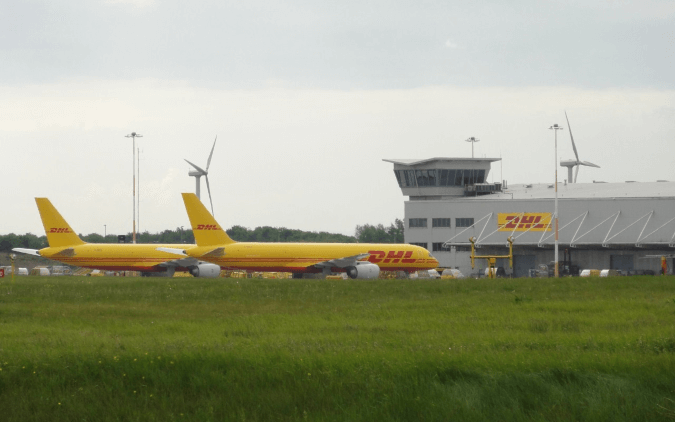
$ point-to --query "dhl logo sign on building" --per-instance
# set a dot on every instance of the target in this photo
(520, 222)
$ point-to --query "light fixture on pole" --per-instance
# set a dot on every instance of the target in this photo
(133, 136)
(473, 141)
(555, 128)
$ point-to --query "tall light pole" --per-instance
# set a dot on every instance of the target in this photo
(555, 128)
(138, 166)
(105, 232)
(133, 136)
(473, 141)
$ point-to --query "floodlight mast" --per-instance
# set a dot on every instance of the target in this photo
(555, 129)
(133, 136)
(473, 141)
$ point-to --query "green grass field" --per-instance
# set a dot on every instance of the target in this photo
(95, 349)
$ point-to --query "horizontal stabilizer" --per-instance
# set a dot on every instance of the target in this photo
(27, 251)
(174, 251)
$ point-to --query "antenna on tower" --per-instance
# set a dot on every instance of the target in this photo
(473, 141)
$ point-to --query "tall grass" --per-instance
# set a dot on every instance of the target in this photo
(233, 349)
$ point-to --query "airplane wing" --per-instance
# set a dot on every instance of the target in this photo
(174, 251)
(348, 261)
(182, 263)
(27, 251)
(210, 254)
(187, 261)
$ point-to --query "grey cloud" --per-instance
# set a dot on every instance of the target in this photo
(343, 45)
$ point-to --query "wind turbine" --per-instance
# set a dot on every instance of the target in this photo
(199, 172)
(574, 163)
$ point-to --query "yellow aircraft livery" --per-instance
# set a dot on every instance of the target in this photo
(358, 260)
(67, 247)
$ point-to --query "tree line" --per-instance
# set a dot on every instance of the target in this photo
(366, 233)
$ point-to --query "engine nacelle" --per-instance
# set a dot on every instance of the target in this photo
(363, 271)
(205, 270)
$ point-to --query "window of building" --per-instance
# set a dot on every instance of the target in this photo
(438, 247)
(405, 178)
(458, 177)
(440, 222)
(438, 177)
(446, 177)
(462, 248)
(397, 173)
(426, 177)
(469, 177)
(424, 244)
(417, 222)
(479, 176)
(463, 222)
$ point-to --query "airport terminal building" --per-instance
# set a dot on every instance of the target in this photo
(622, 226)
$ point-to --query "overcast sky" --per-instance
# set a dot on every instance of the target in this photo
(307, 98)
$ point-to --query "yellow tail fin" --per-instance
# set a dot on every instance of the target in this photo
(206, 229)
(57, 230)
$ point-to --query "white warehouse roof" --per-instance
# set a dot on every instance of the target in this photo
(584, 191)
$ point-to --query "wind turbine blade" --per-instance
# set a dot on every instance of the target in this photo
(209, 189)
(576, 173)
(195, 166)
(208, 163)
(586, 163)
(574, 147)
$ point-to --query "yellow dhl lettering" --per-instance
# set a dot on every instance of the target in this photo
(524, 222)
(59, 230)
(393, 257)
(207, 227)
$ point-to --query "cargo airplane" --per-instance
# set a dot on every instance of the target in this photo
(358, 260)
(67, 247)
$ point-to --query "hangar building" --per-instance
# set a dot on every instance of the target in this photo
(601, 225)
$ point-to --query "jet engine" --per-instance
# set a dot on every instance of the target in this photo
(363, 270)
(205, 270)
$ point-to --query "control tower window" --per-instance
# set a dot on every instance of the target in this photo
(468, 177)
(417, 223)
(440, 222)
(458, 178)
(426, 177)
(439, 177)
(446, 177)
(405, 178)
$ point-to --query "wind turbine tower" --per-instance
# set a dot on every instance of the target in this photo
(198, 172)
